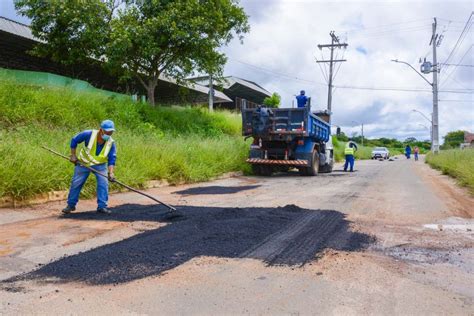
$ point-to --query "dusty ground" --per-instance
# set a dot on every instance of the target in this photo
(394, 237)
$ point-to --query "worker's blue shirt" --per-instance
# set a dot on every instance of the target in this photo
(301, 100)
(85, 136)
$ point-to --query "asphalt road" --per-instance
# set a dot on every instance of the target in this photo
(394, 237)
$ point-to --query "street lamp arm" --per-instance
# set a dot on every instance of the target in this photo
(399, 61)
(426, 117)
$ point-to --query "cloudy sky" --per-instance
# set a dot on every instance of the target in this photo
(281, 49)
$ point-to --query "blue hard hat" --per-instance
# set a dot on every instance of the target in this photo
(107, 126)
(302, 92)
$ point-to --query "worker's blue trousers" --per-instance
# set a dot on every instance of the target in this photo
(80, 176)
(349, 161)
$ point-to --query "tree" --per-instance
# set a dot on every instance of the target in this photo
(138, 39)
(342, 137)
(453, 139)
(410, 140)
(273, 101)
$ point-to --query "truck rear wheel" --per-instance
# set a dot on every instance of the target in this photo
(262, 170)
(314, 169)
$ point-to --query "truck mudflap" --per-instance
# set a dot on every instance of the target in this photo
(260, 161)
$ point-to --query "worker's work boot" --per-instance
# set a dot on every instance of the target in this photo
(104, 210)
(68, 209)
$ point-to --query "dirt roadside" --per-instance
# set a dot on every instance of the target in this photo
(391, 238)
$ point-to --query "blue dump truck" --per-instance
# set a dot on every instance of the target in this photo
(285, 138)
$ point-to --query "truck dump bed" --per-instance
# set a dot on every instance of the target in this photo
(287, 122)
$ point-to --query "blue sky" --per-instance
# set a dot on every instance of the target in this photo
(280, 50)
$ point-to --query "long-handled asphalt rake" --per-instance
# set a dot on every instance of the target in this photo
(171, 208)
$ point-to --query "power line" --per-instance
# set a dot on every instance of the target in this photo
(468, 101)
(461, 91)
(383, 26)
(458, 65)
(392, 32)
(452, 21)
(277, 73)
(454, 69)
(466, 26)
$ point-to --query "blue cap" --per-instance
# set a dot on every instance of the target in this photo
(107, 126)
(302, 92)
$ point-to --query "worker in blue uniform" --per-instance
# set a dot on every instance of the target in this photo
(301, 99)
(98, 153)
(349, 153)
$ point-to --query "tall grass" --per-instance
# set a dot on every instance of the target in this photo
(456, 163)
(65, 108)
(178, 144)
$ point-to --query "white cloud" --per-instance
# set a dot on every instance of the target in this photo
(284, 37)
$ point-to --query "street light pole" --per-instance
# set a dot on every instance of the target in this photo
(431, 126)
(429, 129)
(434, 86)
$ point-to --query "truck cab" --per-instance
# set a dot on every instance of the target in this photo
(285, 138)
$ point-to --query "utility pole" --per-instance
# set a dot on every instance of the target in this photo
(435, 127)
(334, 44)
(211, 95)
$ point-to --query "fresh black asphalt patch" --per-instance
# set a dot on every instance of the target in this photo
(216, 190)
(278, 236)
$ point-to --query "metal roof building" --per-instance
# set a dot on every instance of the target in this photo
(16, 39)
(237, 89)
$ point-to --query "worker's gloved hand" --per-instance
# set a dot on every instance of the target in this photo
(73, 159)
(111, 177)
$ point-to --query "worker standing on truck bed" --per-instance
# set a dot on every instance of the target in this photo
(349, 152)
(99, 151)
(301, 99)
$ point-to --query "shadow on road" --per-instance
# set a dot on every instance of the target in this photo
(278, 236)
(216, 190)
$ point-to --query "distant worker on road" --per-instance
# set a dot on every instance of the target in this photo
(416, 151)
(349, 152)
(301, 99)
(408, 151)
(98, 152)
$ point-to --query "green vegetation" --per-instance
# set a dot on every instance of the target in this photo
(456, 163)
(178, 144)
(273, 101)
(452, 140)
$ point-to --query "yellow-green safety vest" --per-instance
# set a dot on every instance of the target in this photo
(348, 150)
(88, 154)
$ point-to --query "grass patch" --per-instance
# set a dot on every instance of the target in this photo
(456, 163)
(177, 144)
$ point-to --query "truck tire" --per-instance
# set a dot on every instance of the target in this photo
(314, 169)
(327, 168)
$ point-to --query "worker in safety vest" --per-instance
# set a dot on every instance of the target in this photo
(98, 153)
(301, 99)
(349, 152)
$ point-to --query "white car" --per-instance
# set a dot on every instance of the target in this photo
(380, 153)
